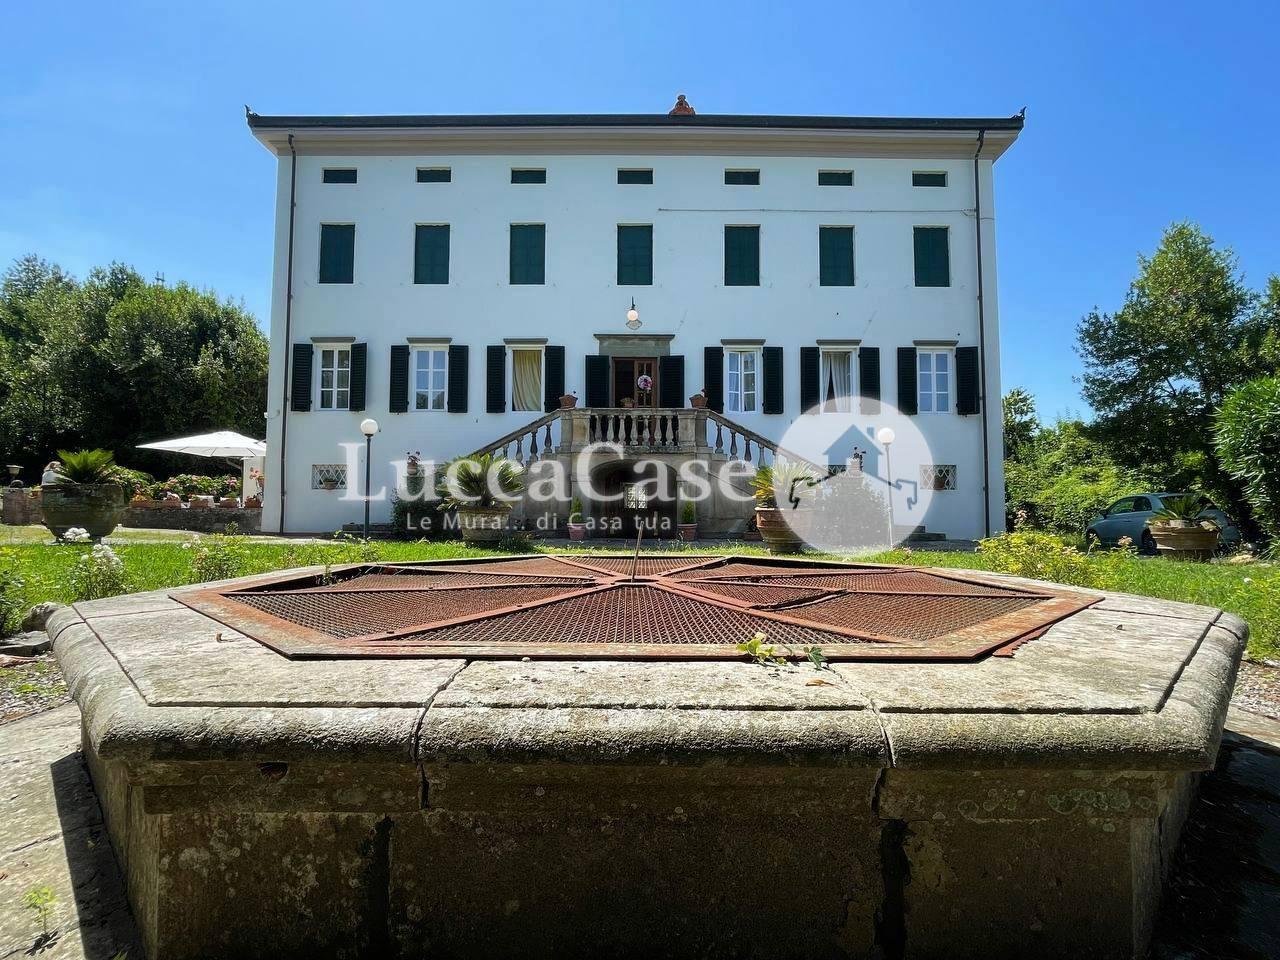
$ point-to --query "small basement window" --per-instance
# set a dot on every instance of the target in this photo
(435, 174)
(328, 476)
(528, 176)
(744, 178)
(938, 476)
(928, 178)
(339, 175)
(835, 178)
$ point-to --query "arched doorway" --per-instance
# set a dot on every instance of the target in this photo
(637, 495)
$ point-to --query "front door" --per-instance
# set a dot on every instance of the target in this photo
(627, 377)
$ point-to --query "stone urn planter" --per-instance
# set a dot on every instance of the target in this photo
(94, 507)
(568, 401)
(775, 532)
(1185, 539)
(483, 524)
(698, 401)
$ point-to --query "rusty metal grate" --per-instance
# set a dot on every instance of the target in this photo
(676, 607)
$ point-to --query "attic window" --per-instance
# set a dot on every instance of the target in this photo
(835, 178)
(635, 176)
(743, 178)
(434, 174)
(339, 175)
(928, 178)
(528, 176)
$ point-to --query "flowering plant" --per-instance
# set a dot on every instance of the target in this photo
(644, 382)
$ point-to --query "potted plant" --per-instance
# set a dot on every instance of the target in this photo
(228, 503)
(480, 488)
(568, 401)
(688, 527)
(329, 483)
(577, 529)
(628, 403)
(699, 399)
(87, 494)
(1181, 532)
(794, 482)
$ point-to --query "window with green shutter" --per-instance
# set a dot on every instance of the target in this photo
(742, 256)
(337, 252)
(635, 176)
(835, 178)
(528, 175)
(933, 257)
(928, 178)
(528, 253)
(431, 253)
(435, 174)
(635, 255)
(835, 256)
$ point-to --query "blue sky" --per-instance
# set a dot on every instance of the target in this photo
(122, 132)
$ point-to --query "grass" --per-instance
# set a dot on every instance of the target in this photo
(1252, 592)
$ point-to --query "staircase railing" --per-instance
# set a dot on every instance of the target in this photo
(655, 428)
(765, 449)
(522, 444)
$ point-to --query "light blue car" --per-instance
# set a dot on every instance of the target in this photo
(1128, 517)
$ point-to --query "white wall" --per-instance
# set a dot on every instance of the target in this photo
(581, 205)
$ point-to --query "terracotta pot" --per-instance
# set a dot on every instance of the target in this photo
(1185, 540)
(697, 401)
(201, 502)
(577, 531)
(483, 524)
(688, 532)
(775, 532)
(253, 503)
(167, 504)
(94, 507)
(228, 503)
(568, 401)
(628, 404)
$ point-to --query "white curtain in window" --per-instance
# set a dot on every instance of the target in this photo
(837, 381)
(526, 380)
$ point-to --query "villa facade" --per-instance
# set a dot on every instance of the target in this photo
(453, 277)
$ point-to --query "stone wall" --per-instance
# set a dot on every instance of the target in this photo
(21, 506)
(203, 520)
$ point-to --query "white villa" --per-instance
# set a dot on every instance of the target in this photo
(452, 277)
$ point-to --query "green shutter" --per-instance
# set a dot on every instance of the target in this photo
(869, 379)
(933, 258)
(597, 380)
(671, 381)
(431, 253)
(553, 379)
(528, 253)
(742, 256)
(713, 377)
(835, 256)
(457, 391)
(359, 366)
(398, 396)
(300, 377)
(810, 372)
(908, 401)
(635, 255)
(495, 389)
(968, 381)
(337, 252)
(771, 367)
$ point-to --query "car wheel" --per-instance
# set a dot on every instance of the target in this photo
(1147, 546)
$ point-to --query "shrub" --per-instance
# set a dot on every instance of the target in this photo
(98, 573)
(688, 513)
(790, 479)
(483, 481)
(218, 557)
(135, 482)
(87, 466)
(1042, 556)
(12, 586)
(1248, 443)
(187, 485)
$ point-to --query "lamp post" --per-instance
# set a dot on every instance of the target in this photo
(633, 316)
(886, 436)
(368, 427)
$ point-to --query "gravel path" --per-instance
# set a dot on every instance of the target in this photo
(1258, 689)
(30, 686)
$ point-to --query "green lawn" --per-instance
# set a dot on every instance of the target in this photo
(1252, 592)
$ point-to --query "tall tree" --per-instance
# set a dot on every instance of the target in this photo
(1020, 422)
(1157, 369)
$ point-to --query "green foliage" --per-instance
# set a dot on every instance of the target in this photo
(1248, 443)
(87, 466)
(575, 511)
(688, 512)
(1157, 369)
(12, 587)
(114, 360)
(759, 650)
(1021, 425)
(791, 479)
(486, 480)
(187, 485)
(1187, 507)
(98, 573)
(816, 657)
(40, 901)
(135, 482)
(218, 557)
(1042, 556)
(1064, 477)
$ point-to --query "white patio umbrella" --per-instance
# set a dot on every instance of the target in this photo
(222, 443)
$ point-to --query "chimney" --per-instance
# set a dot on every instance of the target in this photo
(682, 108)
